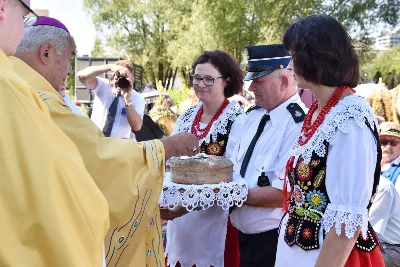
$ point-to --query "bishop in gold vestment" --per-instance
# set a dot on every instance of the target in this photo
(129, 174)
(51, 211)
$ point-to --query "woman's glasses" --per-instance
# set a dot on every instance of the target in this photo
(208, 81)
(385, 142)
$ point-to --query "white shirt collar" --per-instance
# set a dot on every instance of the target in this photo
(280, 111)
(396, 161)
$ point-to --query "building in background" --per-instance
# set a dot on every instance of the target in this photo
(42, 12)
(388, 40)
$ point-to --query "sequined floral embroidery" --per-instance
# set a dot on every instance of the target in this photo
(290, 229)
(214, 149)
(303, 171)
(317, 199)
(315, 163)
(319, 178)
(307, 233)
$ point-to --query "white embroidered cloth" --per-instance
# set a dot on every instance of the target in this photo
(224, 195)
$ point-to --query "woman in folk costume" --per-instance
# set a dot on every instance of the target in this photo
(206, 238)
(334, 169)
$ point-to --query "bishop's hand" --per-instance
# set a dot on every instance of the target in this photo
(181, 144)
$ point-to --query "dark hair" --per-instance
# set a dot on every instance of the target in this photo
(228, 68)
(322, 51)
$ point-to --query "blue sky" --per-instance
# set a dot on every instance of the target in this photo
(71, 13)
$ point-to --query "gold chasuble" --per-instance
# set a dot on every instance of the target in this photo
(47, 212)
(129, 174)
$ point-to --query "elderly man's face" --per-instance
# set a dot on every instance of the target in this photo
(268, 90)
(61, 66)
(390, 147)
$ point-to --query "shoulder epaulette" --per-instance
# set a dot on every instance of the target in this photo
(252, 108)
(297, 112)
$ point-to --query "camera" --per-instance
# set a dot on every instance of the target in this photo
(122, 81)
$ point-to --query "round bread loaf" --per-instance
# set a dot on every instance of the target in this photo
(207, 170)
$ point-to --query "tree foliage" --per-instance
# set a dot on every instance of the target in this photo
(98, 48)
(163, 36)
(383, 65)
(389, 62)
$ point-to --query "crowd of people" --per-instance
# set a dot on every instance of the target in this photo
(323, 187)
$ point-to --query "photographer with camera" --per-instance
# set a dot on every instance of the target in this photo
(117, 108)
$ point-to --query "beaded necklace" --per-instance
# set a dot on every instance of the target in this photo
(201, 133)
(309, 128)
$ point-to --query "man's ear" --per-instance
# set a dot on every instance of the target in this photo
(285, 81)
(44, 52)
(3, 4)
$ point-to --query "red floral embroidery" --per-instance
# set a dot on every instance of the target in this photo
(304, 171)
(214, 149)
(307, 233)
(290, 229)
(361, 236)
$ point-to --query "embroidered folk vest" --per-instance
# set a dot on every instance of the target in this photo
(310, 199)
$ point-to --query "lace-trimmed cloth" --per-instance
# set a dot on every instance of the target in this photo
(224, 195)
(350, 165)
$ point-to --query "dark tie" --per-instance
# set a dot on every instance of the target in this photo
(112, 111)
(253, 143)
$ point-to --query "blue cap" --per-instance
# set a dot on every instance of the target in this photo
(264, 59)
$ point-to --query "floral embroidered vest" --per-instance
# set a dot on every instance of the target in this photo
(216, 147)
(216, 140)
(310, 199)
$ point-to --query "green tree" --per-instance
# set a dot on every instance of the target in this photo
(388, 62)
(383, 65)
(98, 48)
(141, 30)
(165, 35)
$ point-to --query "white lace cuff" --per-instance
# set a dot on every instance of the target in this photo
(351, 216)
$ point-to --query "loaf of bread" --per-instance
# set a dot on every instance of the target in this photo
(201, 170)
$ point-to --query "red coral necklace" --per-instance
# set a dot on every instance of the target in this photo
(201, 133)
(309, 128)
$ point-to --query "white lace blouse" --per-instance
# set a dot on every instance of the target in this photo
(351, 162)
(199, 237)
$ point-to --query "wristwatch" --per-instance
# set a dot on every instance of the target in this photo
(128, 104)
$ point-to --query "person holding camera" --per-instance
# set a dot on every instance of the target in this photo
(117, 109)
